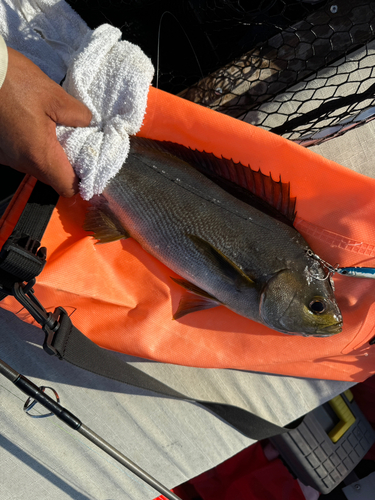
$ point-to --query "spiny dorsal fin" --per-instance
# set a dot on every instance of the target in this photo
(251, 186)
(105, 229)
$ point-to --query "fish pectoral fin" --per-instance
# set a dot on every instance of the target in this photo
(195, 299)
(105, 228)
(194, 288)
(224, 266)
(190, 302)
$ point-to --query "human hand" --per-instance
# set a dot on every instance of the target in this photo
(31, 104)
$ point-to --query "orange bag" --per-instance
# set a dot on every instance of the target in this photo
(123, 299)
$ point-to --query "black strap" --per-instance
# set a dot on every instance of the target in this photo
(37, 212)
(74, 347)
(65, 341)
(21, 258)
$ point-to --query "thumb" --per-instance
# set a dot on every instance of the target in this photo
(58, 172)
(69, 111)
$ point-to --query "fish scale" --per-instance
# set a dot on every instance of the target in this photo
(221, 245)
(173, 211)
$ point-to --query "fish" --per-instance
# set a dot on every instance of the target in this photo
(225, 230)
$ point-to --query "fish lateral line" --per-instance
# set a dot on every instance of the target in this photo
(191, 189)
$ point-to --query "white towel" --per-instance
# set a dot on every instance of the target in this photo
(110, 76)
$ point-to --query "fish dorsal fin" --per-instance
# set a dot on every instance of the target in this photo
(195, 299)
(223, 265)
(251, 186)
(105, 228)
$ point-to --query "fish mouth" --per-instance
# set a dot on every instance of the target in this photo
(328, 331)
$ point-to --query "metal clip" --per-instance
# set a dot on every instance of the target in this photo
(331, 270)
(22, 257)
(356, 272)
(48, 321)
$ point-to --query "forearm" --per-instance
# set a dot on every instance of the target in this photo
(3, 60)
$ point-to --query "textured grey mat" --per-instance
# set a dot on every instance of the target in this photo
(172, 440)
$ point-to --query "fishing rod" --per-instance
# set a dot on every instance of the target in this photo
(37, 394)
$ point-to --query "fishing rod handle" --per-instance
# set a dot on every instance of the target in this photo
(33, 391)
(8, 372)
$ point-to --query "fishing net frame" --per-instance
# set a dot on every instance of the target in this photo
(303, 69)
(311, 81)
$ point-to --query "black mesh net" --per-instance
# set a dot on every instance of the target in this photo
(300, 68)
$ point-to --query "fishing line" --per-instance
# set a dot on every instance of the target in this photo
(31, 390)
(158, 46)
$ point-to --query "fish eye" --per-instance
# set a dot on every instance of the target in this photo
(317, 306)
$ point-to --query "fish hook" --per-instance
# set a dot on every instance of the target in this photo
(356, 272)
(331, 270)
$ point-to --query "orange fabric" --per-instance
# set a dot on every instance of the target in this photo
(123, 299)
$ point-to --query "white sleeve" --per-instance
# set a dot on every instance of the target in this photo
(3, 60)
(110, 75)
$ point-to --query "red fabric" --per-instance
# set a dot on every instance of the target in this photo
(247, 476)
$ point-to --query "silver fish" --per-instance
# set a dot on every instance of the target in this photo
(229, 248)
